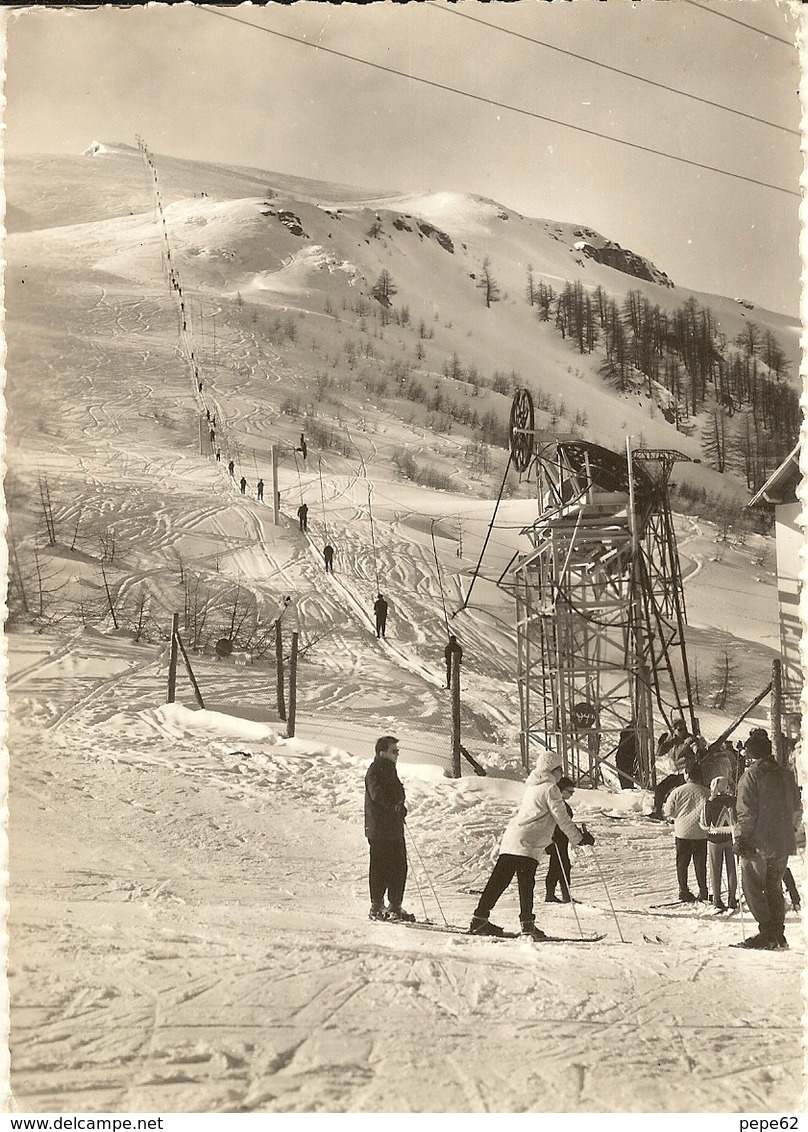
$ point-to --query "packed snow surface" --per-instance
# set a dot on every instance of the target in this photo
(188, 900)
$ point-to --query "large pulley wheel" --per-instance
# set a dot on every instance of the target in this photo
(521, 426)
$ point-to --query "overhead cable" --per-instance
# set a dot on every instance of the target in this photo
(453, 11)
(732, 19)
(503, 105)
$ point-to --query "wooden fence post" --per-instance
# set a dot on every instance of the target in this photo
(279, 668)
(172, 663)
(455, 682)
(194, 684)
(290, 726)
(109, 598)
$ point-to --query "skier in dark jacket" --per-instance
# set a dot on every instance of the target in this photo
(259, 487)
(764, 839)
(385, 811)
(558, 871)
(380, 610)
(626, 758)
(328, 555)
(454, 655)
(303, 516)
(243, 485)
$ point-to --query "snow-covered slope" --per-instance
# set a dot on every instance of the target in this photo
(188, 898)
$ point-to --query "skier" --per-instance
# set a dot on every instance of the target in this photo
(678, 747)
(260, 489)
(558, 871)
(303, 447)
(626, 757)
(523, 844)
(243, 485)
(212, 437)
(718, 820)
(218, 454)
(303, 516)
(685, 805)
(328, 555)
(385, 813)
(380, 609)
(454, 655)
(764, 839)
(231, 467)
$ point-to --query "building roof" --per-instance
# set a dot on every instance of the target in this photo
(781, 486)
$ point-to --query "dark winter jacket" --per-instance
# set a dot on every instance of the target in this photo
(626, 755)
(767, 799)
(384, 802)
(559, 836)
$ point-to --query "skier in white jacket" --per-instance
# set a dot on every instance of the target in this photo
(526, 837)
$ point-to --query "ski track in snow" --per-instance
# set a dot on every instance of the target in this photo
(211, 962)
(188, 902)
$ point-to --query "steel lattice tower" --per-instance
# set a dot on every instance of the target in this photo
(599, 603)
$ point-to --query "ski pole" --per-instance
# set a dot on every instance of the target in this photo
(739, 883)
(426, 874)
(566, 876)
(608, 894)
(420, 893)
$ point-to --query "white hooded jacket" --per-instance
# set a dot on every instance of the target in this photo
(542, 808)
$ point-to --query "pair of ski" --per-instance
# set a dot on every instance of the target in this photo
(453, 929)
(696, 905)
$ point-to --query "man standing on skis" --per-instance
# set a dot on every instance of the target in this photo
(380, 608)
(385, 812)
(453, 654)
(526, 837)
(764, 839)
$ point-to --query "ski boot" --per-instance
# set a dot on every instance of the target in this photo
(530, 931)
(481, 925)
(400, 916)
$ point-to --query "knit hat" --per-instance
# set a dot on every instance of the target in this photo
(547, 762)
(719, 785)
(679, 725)
(758, 745)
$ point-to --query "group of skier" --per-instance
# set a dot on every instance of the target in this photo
(746, 823)
(755, 824)
(542, 817)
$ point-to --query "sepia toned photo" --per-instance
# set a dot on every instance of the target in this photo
(402, 471)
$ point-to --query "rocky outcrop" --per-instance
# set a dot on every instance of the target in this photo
(621, 259)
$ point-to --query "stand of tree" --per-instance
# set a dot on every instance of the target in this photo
(685, 362)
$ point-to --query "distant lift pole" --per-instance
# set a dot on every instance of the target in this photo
(599, 604)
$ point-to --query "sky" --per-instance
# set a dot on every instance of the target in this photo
(196, 84)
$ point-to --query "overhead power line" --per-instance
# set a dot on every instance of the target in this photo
(732, 19)
(608, 67)
(501, 105)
